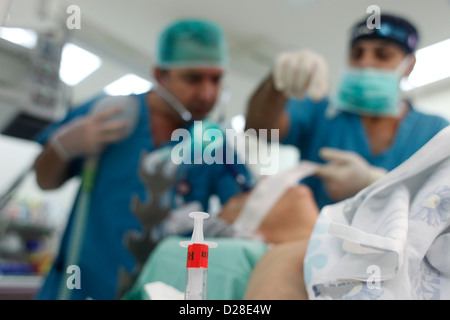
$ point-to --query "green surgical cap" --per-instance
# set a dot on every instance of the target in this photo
(192, 43)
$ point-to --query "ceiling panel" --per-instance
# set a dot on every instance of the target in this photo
(124, 32)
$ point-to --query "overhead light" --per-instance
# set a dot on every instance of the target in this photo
(77, 64)
(22, 37)
(433, 64)
(128, 84)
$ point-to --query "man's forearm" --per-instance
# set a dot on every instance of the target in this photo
(51, 170)
(266, 108)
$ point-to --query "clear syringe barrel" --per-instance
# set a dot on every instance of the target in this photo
(197, 259)
(196, 284)
(196, 272)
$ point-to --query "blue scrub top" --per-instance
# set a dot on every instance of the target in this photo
(110, 215)
(313, 125)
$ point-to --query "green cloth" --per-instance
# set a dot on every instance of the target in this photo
(229, 267)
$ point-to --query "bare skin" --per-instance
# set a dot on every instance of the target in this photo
(288, 225)
(266, 106)
(195, 88)
(279, 274)
(292, 218)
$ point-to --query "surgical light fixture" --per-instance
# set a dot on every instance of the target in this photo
(77, 64)
(433, 64)
(128, 84)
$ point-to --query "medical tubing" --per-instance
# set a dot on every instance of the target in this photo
(173, 102)
(79, 223)
(239, 178)
(89, 174)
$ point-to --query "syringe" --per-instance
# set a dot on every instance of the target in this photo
(197, 259)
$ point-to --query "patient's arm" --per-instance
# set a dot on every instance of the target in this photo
(279, 274)
(233, 207)
(292, 218)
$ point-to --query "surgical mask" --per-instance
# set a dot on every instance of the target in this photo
(371, 91)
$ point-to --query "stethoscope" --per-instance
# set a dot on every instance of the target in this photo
(182, 111)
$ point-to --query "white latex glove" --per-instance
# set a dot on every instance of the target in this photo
(346, 173)
(299, 73)
(88, 135)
